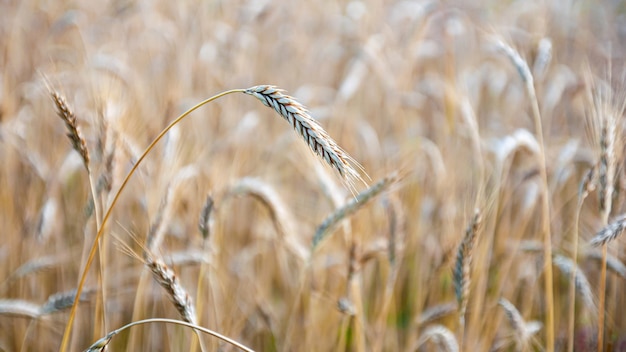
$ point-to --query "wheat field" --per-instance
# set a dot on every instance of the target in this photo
(312, 176)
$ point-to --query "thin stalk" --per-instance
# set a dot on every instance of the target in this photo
(103, 342)
(572, 280)
(92, 253)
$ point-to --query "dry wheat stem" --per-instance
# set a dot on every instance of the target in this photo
(310, 130)
(102, 343)
(524, 71)
(587, 185)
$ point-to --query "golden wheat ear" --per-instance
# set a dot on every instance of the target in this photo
(318, 140)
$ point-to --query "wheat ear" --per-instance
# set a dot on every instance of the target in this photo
(310, 130)
(567, 267)
(523, 331)
(462, 267)
(440, 335)
(351, 207)
(605, 180)
(610, 232)
(73, 132)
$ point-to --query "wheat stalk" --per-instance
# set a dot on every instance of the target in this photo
(102, 343)
(310, 130)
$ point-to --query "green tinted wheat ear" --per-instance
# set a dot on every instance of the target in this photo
(310, 130)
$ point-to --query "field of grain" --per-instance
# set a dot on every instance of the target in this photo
(426, 176)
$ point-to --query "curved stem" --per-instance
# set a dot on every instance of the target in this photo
(68, 327)
(105, 340)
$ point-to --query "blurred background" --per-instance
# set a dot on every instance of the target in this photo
(419, 88)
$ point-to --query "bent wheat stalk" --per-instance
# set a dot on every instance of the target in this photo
(102, 343)
(286, 106)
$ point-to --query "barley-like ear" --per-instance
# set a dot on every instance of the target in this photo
(310, 130)
(67, 115)
(610, 232)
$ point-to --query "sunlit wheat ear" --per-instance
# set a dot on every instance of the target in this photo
(610, 232)
(523, 331)
(310, 130)
(73, 133)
